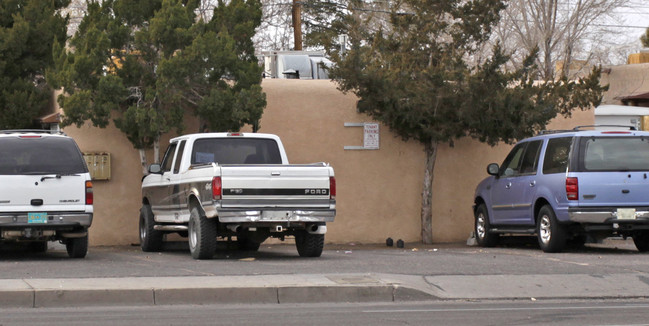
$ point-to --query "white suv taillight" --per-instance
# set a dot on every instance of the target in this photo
(572, 188)
(217, 188)
(332, 188)
(89, 194)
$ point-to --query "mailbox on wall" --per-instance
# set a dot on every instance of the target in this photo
(98, 165)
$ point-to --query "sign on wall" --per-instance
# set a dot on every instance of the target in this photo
(371, 137)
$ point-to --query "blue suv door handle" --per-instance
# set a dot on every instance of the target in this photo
(508, 185)
(533, 183)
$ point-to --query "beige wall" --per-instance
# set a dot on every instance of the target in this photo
(378, 191)
(625, 80)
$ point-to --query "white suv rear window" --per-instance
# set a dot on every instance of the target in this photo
(40, 155)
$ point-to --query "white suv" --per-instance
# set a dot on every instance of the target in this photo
(45, 191)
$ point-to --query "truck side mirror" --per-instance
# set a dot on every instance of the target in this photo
(155, 168)
(493, 169)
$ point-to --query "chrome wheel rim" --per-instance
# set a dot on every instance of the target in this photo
(193, 237)
(142, 229)
(545, 233)
(480, 226)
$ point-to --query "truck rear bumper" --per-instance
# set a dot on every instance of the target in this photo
(263, 215)
(54, 220)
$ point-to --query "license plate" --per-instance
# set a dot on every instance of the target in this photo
(37, 218)
(626, 213)
(276, 215)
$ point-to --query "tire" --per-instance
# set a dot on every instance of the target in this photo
(77, 247)
(551, 235)
(150, 239)
(309, 245)
(37, 246)
(641, 240)
(482, 227)
(202, 235)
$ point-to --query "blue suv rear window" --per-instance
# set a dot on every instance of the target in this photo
(614, 154)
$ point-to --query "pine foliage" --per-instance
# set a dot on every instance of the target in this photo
(148, 62)
(28, 29)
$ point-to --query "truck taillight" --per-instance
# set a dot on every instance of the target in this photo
(572, 188)
(332, 187)
(217, 188)
(89, 195)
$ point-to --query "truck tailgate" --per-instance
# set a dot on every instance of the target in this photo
(278, 186)
(23, 193)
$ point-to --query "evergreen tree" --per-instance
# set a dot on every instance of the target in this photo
(151, 61)
(415, 68)
(28, 29)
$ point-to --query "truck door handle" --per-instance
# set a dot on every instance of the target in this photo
(275, 174)
(508, 185)
(532, 183)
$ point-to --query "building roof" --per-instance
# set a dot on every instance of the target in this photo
(51, 118)
(642, 96)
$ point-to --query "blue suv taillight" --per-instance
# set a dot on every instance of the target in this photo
(572, 188)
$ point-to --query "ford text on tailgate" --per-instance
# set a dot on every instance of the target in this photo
(45, 191)
(218, 186)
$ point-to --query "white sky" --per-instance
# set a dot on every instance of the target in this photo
(634, 20)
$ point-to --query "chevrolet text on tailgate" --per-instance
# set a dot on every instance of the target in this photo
(45, 191)
(220, 185)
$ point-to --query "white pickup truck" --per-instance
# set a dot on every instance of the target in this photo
(220, 185)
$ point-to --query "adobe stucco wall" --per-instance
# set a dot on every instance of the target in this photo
(378, 191)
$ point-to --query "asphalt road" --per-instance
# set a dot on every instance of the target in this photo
(521, 257)
(563, 312)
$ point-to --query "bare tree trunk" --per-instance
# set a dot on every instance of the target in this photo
(427, 194)
(297, 25)
(145, 171)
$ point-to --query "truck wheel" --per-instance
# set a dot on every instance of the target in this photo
(77, 247)
(641, 240)
(309, 245)
(150, 239)
(482, 227)
(551, 234)
(202, 235)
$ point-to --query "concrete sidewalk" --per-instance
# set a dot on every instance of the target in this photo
(312, 288)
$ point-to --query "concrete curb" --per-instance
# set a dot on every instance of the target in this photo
(544, 286)
(310, 288)
(275, 289)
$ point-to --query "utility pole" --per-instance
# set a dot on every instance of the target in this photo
(297, 24)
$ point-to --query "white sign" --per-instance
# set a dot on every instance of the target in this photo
(371, 136)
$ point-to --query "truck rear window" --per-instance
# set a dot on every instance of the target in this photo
(41, 155)
(236, 151)
(614, 154)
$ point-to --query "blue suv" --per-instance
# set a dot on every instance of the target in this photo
(567, 185)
